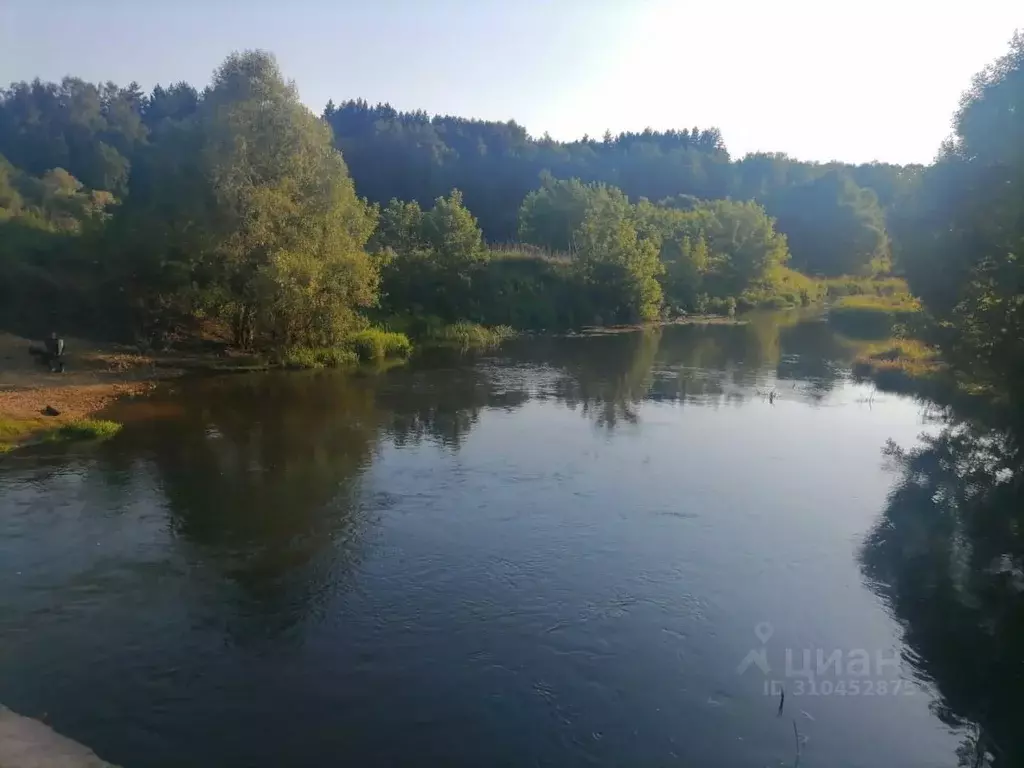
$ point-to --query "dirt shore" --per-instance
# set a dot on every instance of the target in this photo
(96, 374)
(34, 400)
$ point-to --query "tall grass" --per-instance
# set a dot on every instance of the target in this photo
(865, 286)
(467, 336)
(872, 315)
(15, 432)
(897, 364)
(85, 429)
(369, 345)
(318, 357)
(377, 344)
(782, 288)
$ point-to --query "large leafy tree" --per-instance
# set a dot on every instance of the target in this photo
(551, 216)
(245, 214)
(717, 247)
(430, 258)
(834, 227)
(744, 245)
(962, 242)
(619, 266)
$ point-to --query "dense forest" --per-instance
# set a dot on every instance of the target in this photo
(235, 207)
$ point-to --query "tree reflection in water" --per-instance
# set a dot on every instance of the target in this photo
(948, 557)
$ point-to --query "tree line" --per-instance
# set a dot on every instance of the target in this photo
(236, 205)
(961, 237)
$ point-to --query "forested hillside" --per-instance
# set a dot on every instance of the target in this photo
(413, 156)
(150, 214)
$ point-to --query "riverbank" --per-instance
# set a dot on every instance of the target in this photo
(36, 404)
(895, 362)
(908, 366)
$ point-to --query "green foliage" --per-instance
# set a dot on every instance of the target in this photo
(782, 288)
(368, 345)
(427, 259)
(19, 431)
(871, 316)
(551, 216)
(90, 130)
(743, 245)
(244, 213)
(466, 336)
(413, 156)
(617, 265)
(319, 357)
(717, 249)
(903, 365)
(961, 236)
(613, 261)
(833, 226)
(716, 306)
(530, 289)
(234, 211)
(13, 431)
(44, 277)
(857, 286)
(631, 257)
(85, 429)
(376, 344)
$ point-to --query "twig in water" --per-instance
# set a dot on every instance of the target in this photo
(782, 702)
(796, 735)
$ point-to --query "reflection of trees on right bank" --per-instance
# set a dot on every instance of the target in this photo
(443, 400)
(948, 558)
(605, 376)
(608, 375)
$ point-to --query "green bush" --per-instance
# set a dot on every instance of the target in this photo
(872, 315)
(318, 357)
(376, 344)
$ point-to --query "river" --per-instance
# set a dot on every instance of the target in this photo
(610, 550)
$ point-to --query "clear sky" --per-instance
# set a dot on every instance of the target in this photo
(853, 80)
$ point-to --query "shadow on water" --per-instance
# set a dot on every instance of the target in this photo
(260, 476)
(947, 556)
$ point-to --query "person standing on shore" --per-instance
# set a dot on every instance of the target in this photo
(55, 353)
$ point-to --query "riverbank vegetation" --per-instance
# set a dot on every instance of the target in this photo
(873, 316)
(469, 335)
(895, 363)
(235, 211)
(85, 429)
(16, 432)
(959, 234)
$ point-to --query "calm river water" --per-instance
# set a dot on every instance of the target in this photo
(611, 550)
